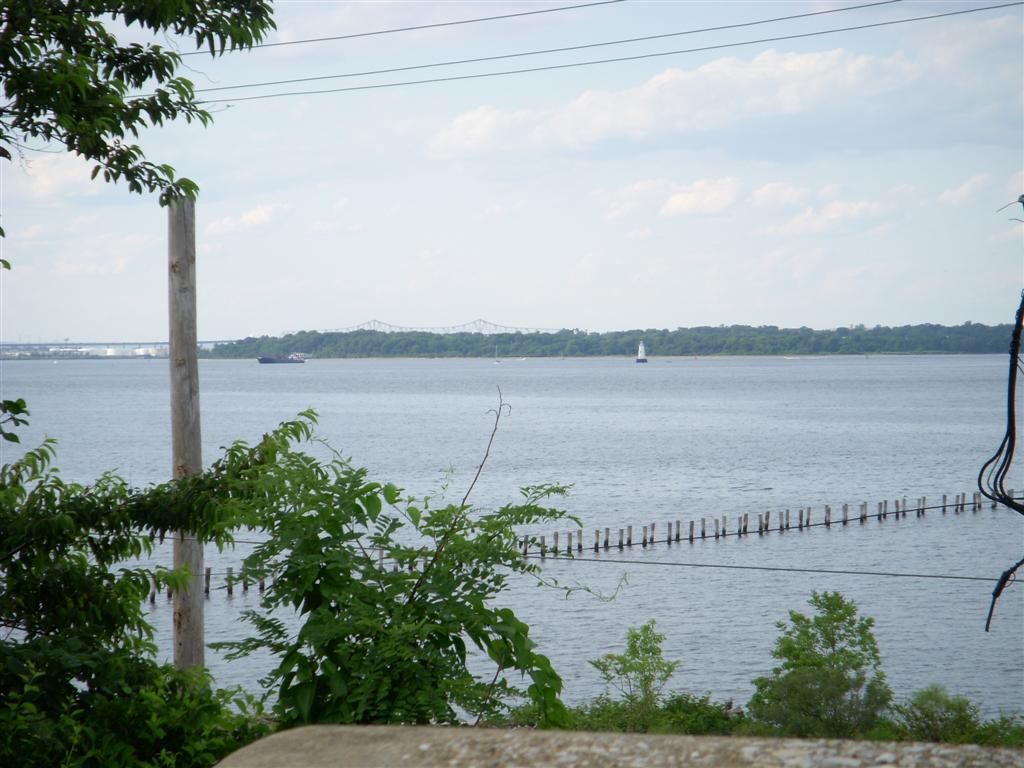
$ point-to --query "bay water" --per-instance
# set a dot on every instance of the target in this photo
(676, 439)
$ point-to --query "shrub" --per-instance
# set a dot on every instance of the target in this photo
(933, 715)
(78, 682)
(686, 713)
(830, 682)
(639, 674)
(390, 592)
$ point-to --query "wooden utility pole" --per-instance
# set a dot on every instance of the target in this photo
(186, 440)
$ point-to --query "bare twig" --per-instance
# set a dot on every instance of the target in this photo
(503, 407)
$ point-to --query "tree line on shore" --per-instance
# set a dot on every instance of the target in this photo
(968, 338)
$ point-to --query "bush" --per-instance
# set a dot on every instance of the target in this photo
(830, 682)
(639, 674)
(78, 682)
(390, 592)
(686, 713)
(932, 714)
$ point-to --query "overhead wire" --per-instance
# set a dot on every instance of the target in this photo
(993, 473)
(417, 27)
(613, 60)
(563, 49)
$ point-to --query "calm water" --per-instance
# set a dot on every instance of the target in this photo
(675, 439)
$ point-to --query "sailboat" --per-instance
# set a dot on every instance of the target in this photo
(641, 354)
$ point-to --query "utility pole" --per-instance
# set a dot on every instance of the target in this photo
(186, 443)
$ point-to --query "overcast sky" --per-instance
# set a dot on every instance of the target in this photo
(825, 181)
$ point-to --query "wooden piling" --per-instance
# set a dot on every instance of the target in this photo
(607, 538)
(262, 585)
(787, 519)
(620, 538)
(943, 503)
(703, 528)
(629, 535)
(717, 526)
(691, 531)
(746, 523)
(206, 582)
(543, 548)
(767, 520)
(554, 549)
(230, 583)
(579, 541)
(643, 541)
(800, 520)
(760, 524)
(677, 529)
(828, 516)
(152, 592)
(597, 539)
(568, 543)
(652, 533)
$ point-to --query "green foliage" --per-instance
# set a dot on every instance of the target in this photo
(13, 413)
(686, 713)
(639, 674)
(721, 340)
(389, 590)
(78, 683)
(932, 714)
(67, 79)
(830, 682)
(133, 713)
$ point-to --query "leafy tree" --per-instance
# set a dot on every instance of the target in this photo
(78, 681)
(68, 79)
(639, 674)
(830, 682)
(391, 592)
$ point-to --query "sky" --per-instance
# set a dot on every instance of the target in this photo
(827, 181)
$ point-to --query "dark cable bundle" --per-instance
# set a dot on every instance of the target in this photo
(992, 477)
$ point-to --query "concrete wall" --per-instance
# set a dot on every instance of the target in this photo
(328, 746)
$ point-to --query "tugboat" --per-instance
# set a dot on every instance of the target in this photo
(641, 354)
(294, 357)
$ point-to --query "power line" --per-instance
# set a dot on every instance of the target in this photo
(563, 49)
(426, 26)
(782, 569)
(636, 57)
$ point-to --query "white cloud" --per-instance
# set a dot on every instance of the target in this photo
(627, 199)
(644, 233)
(721, 93)
(254, 217)
(778, 194)
(811, 221)
(960, 194)
(1015, 186)
(56, 176)
(706, 196)
(828, 191)
(105, 255)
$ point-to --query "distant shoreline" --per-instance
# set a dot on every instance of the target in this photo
(734, 340)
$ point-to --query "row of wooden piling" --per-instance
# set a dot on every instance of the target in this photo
(705, 529)
(718, 527)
